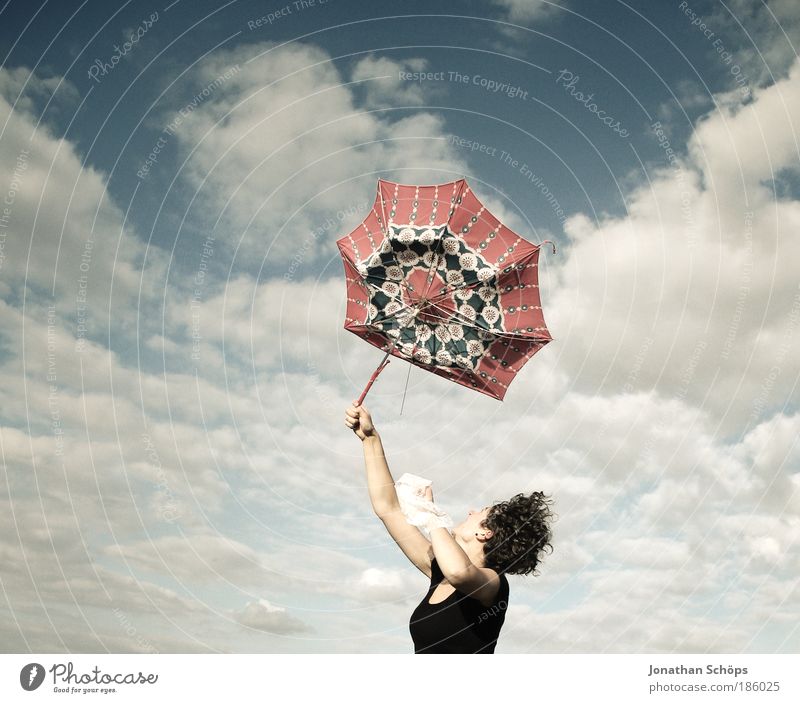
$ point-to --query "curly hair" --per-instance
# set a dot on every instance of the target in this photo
(520, 533)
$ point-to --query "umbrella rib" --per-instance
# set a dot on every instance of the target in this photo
(470, 323)
(478, 283)
(455, 313)
(378, 288)
(463, 319)
(434, 265)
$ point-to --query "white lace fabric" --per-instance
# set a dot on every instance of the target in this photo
(417, 510)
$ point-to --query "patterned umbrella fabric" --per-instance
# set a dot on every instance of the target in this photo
(434, 278)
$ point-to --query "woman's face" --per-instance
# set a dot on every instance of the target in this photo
(473, 522)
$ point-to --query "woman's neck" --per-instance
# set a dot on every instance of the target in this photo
(473, 549)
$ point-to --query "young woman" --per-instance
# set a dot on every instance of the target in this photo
(466, 603)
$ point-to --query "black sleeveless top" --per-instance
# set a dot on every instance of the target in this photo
(459, 624)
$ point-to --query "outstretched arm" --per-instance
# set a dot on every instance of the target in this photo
(380, 483)
(382, 492)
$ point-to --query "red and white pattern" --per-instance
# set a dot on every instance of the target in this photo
(436, 279)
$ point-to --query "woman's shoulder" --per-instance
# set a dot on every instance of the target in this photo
(503, 581)
(437, 575)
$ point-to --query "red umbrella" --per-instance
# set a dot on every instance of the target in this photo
(434, 278)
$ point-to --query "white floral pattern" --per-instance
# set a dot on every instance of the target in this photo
(423, 355)
(428, 259)
(474, 347)
(464, 361)
(491, 314)
(392, 308)
(444, 357)
(405, 317)
(428, 237)
(408, 257)
(456, 331)
(423, 333)
(459, 338)
(455, 278)
(450, 245)
(468, 261)
(407, 235)
(468, 311)
(487, 293)
(442, 333)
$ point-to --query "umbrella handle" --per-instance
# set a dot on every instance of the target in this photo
(372, 378)
(551, 243)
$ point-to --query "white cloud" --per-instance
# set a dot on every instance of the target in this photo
(262, 615)
(529, 10)
(65, 241)
(769, 34)
(676, 487)
(393, 585)
(25, 90)
(383, 86)
(696, 284)
(277, 160)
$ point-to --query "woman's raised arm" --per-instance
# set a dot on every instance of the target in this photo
(382, 492)
(380, 483)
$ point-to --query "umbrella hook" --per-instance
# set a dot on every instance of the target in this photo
(550, 242)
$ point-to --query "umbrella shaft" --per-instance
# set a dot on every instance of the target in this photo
(384, 363)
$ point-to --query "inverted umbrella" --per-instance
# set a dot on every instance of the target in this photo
(434, 278)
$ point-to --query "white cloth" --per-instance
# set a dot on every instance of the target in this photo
(417, 510)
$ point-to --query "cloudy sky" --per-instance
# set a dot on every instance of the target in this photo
(173, 363)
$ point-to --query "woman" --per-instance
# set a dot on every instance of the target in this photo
(465, 605)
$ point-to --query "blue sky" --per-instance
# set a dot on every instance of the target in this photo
(174, 367)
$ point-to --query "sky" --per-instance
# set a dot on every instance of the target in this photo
(174, 369)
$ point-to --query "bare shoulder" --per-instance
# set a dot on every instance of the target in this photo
(479, 582)
(488, 593)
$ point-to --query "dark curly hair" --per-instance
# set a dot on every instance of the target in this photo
(520, 533)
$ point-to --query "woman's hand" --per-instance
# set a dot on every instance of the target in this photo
(358, 419)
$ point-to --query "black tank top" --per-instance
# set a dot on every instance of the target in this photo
(459, 624)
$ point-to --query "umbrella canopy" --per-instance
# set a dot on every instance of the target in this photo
(434, 278)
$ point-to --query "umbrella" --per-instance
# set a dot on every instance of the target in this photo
(434, 278)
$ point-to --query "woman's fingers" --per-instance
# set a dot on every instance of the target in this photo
(358, 420)
(359, 407)
(351, 420)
